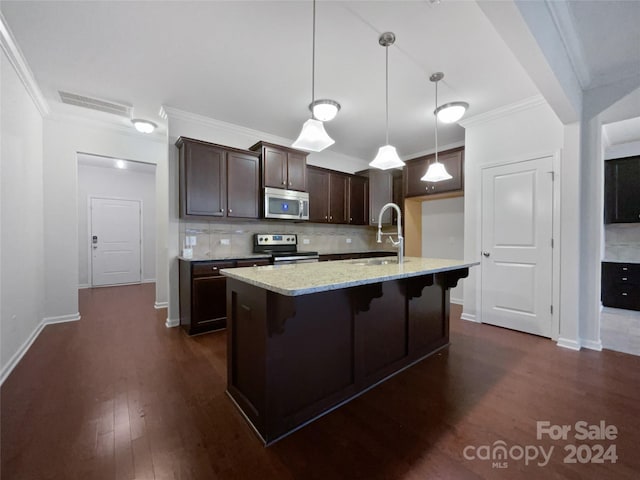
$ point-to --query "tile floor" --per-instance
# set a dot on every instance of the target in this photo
(620, 330)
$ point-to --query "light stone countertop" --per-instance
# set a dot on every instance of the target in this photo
(305, 278)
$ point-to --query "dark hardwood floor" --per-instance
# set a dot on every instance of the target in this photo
(119, 396)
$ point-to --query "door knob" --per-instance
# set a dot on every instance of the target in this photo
(486, 254)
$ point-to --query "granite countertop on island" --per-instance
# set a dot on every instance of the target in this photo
(306, 278)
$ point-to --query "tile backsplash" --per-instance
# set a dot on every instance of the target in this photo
(219, 239)
(622, 242)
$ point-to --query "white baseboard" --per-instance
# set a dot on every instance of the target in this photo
(592, 345)
(159, 305)
(457, 301)
(61, 319)
(568, 343)
(172, 322)
(15, 359)
(149, 280)
(470, 317)
(83, 286)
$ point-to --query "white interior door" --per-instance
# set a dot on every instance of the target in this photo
(115, 241)
(517, 232)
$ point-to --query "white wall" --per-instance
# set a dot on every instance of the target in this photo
(22, 288)
(116, 183)
(63, 139)
(443, 233)
(521, 132)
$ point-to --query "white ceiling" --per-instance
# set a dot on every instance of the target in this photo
(249, 62)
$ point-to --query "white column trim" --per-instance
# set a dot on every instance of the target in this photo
(159, 305)
(172, 322)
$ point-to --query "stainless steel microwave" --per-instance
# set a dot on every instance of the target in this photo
(286, 204)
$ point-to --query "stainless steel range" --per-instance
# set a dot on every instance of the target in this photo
(283, 248)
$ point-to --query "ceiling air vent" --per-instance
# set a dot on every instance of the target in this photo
(95, 104)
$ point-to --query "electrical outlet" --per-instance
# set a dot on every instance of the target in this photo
(192, 243)
(348, 240)
(225, 241)
(306, 241)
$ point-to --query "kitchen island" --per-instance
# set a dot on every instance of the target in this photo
(304, 339)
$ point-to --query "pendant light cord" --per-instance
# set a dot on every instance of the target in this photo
(313, 58)
(436, 115)
(386, 50)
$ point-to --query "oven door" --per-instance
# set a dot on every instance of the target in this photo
(286, 204)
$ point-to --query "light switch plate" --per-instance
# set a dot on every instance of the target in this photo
(348, 240)
(306, 241)
(225, 241)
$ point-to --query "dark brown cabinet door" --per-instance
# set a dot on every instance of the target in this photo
(397, 196)
(318, 188)
(380, 186)
(621, 197)
(296, 171)
(203, 174)
(453, 163)
(243, 185)
(338, 185)
(275, 167)
(358, 200)
(209, 302)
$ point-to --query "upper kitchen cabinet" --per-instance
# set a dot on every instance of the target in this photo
(282, 167)
(621, 197)
(217, 181)
(328, 195)
(358, 200)
(453, 160)
(380, 193)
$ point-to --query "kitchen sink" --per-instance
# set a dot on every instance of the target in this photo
(375, 261)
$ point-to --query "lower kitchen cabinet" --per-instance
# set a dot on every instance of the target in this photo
(621, 285)
(203, 293)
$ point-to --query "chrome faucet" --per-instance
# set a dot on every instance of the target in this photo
(400, 242)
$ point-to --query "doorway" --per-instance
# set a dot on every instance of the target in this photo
(517, 246)
(116, 241)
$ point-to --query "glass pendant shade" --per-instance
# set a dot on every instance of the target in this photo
(387, 158)
(451, 112)
(436, 173)
(324, 110)
(313, 137)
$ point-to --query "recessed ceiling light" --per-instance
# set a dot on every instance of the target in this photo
(144, 126)
(451, 112)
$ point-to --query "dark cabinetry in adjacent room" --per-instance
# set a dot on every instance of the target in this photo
(282, 167)
(203, 293)
(358, 200)
(621, 194)
(217, 181)
(621, 285)
(453, 160)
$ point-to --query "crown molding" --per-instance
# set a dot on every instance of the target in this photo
(499, 112)
(565, 25)
(430, 151)
(117, 127)
(175, 113)
(16, 58)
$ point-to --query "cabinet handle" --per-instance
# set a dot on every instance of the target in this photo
(214, 268)
(289, 183)
(624, 294)
(330, 218)
(222, 210)
(624, 268)
(325, 217)
(230, 211)
(624, 278)
(351, 219)
(373, 219)
(284, 183)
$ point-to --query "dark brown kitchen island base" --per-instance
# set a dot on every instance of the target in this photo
(292, 359)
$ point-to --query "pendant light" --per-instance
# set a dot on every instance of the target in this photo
(451, 112)
(313, 136)
(324, 110)
(436, 171)
(387, 156)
